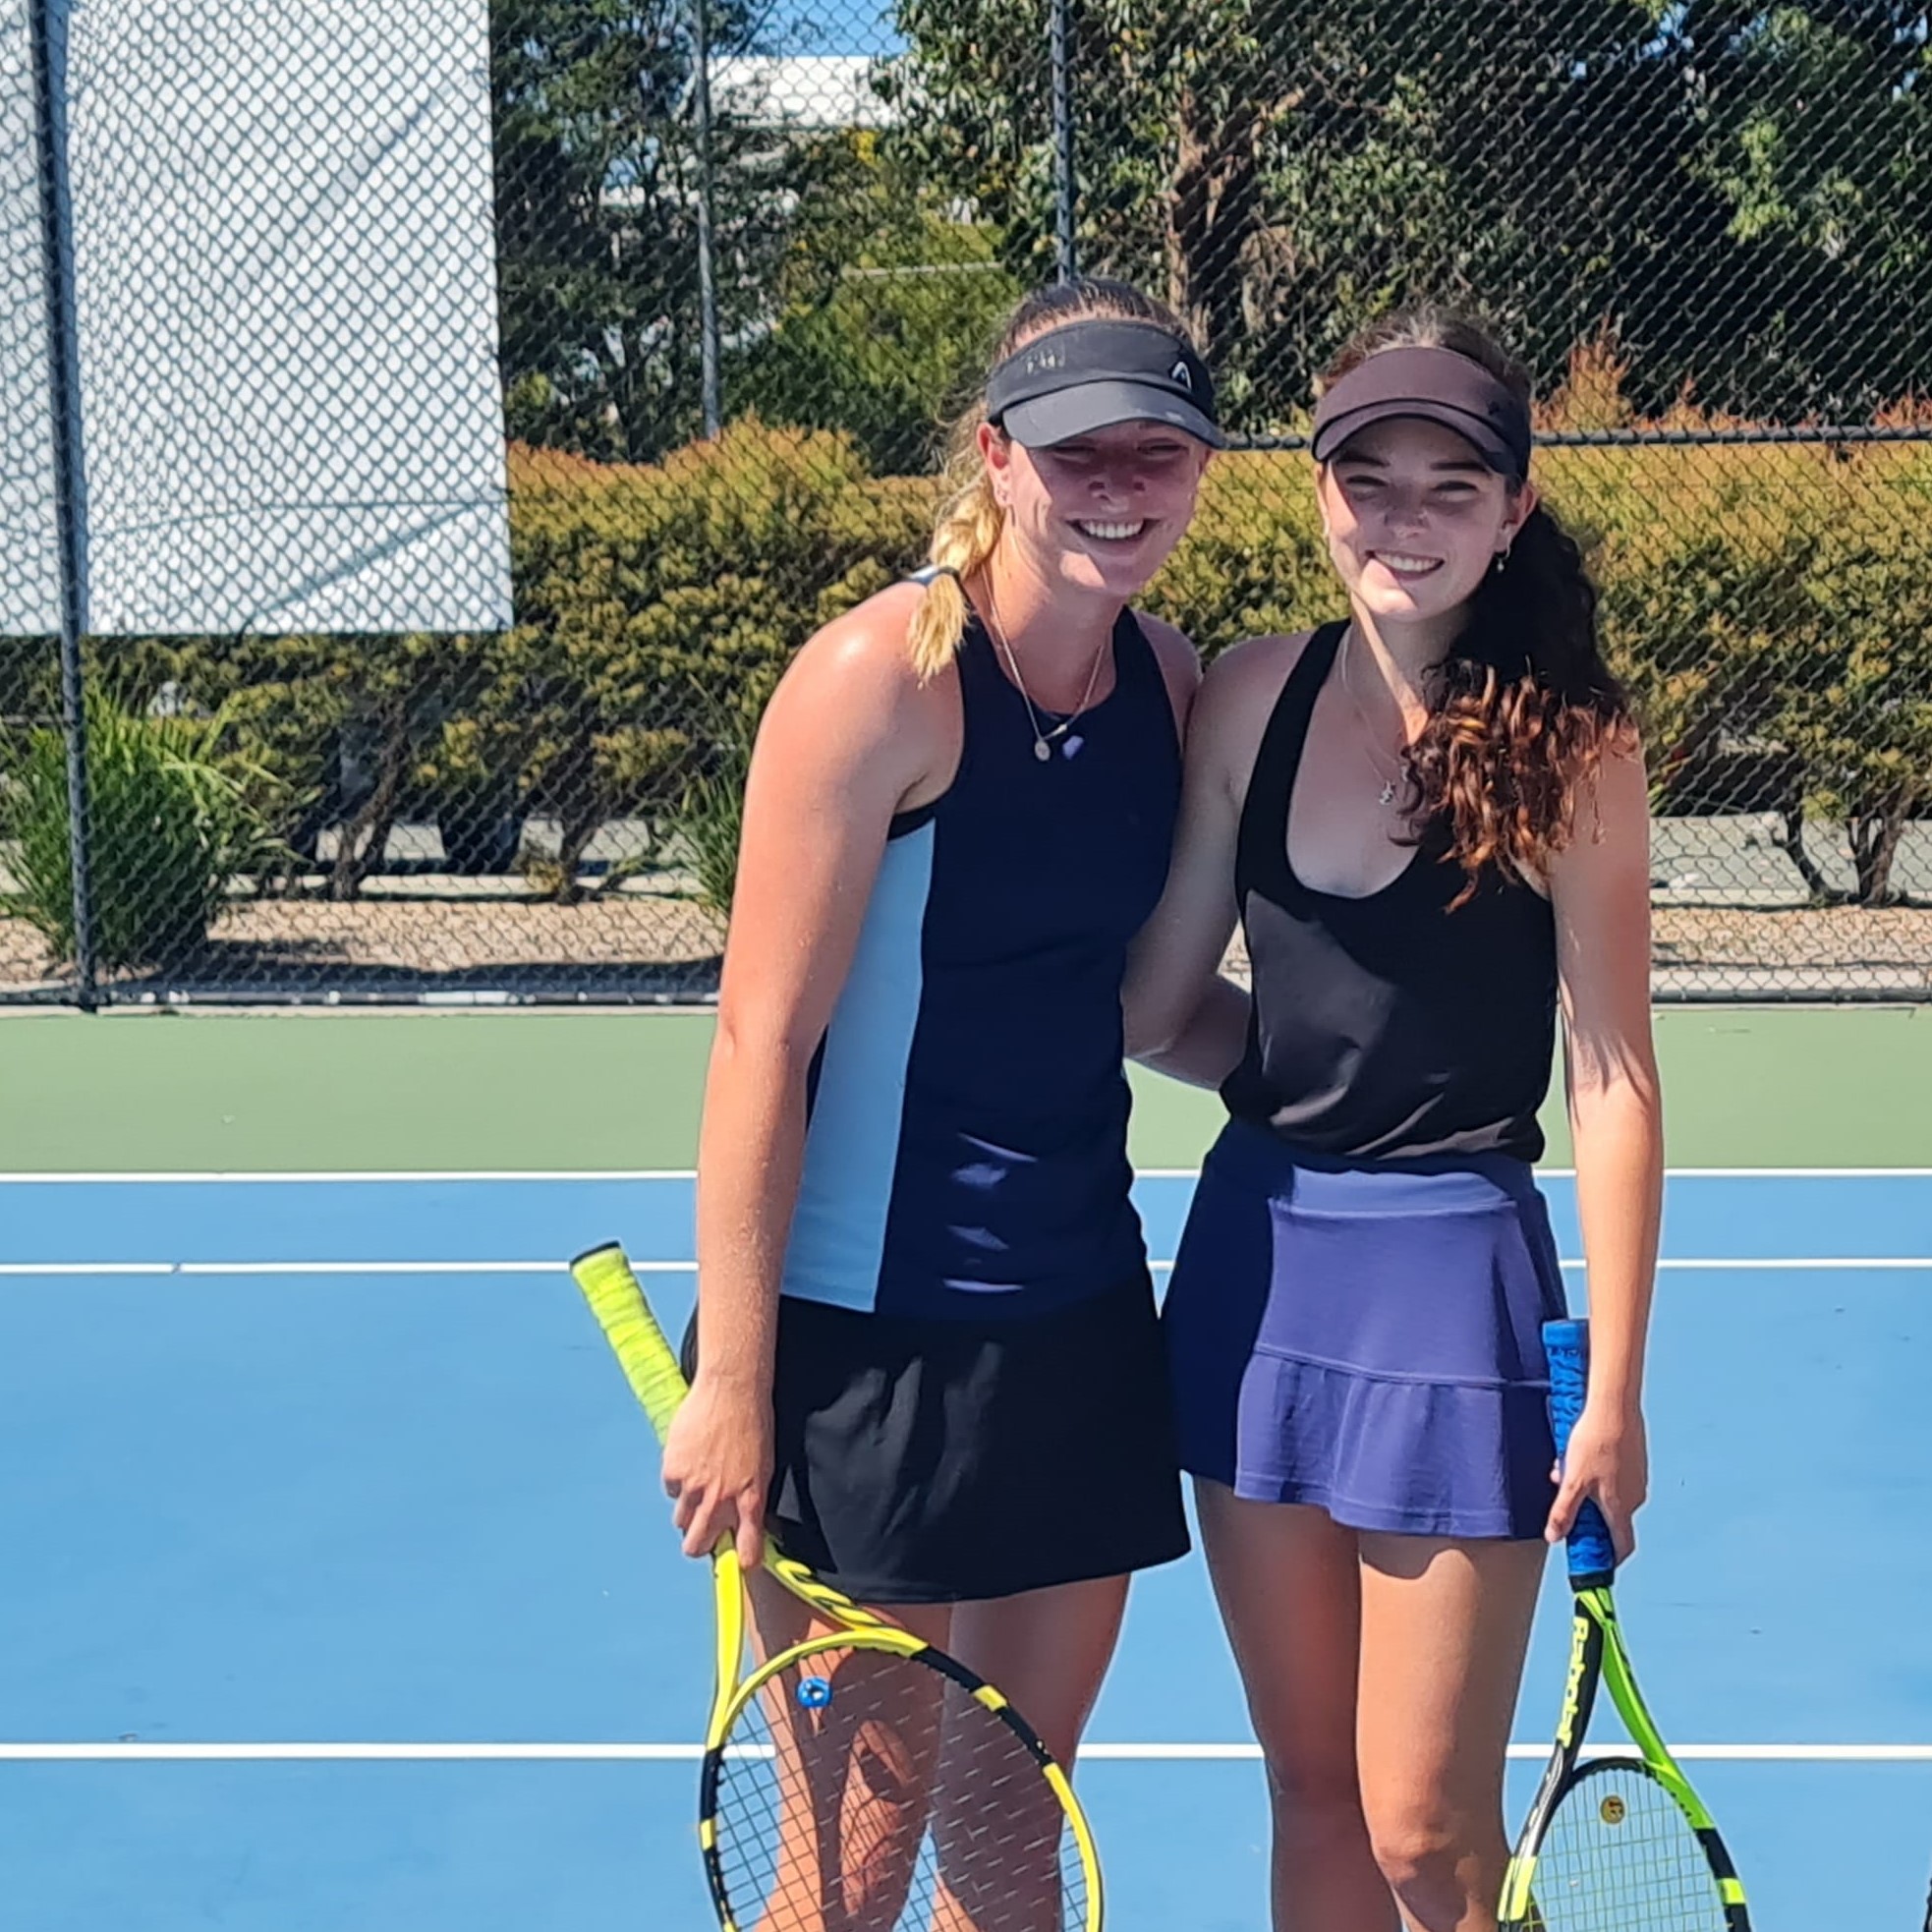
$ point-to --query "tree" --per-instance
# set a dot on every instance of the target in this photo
(1740, 196)
(597, 217)
(885, 307)
(1818, 138)
(1856, 690)
(1283, 169)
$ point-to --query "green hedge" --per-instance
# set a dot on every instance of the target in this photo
(1771, 606)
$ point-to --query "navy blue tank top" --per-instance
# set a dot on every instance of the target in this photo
(966, 1146)
(1386, 1027)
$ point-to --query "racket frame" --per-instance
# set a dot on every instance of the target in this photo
(624, 1312)
(1597, 1655)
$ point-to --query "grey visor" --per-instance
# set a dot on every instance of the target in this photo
(1436, 385)
(1090, 375)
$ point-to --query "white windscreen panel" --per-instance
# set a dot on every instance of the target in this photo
(285, 306)
(30, 561)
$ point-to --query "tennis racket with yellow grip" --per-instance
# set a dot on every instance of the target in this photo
(1612, 1844)
(860, 1780)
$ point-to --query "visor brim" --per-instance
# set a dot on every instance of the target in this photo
(1090, 405)
(1495, 450)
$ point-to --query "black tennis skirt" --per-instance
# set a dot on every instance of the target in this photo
(936, 1462)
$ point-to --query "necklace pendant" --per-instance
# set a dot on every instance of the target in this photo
(1042, 750)
(1387, 794)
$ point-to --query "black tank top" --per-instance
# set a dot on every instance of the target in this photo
(1386, 1027)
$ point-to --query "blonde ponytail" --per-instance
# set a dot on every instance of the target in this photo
(969, 524)
(964, 539)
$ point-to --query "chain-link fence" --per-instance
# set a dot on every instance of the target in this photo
(747, 264)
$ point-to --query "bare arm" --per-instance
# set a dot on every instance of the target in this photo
(1600, 888)
(1181, 1016)
(1211, 1040)
(846, 737)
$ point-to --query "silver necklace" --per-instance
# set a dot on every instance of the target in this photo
(1043, 741)
(1388, 792)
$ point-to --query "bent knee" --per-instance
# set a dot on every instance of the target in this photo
(1424, 1853)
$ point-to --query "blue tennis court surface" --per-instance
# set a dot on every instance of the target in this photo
(338, 1592)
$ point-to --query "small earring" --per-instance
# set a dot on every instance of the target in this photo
(1502, 561)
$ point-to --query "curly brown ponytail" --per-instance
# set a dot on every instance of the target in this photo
(1524, 706)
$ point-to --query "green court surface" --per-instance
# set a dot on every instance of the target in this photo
(414, 1091)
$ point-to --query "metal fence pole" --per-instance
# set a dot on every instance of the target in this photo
(708, 342)
(70, 476)
(1065, 193)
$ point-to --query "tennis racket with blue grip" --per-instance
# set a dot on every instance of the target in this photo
(1613, 1843)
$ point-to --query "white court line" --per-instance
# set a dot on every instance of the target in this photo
(1688, 1264)
(1684, 1264)
(1788, 1262)
(1671, 1173)
(225, 1177)
(387, 1175)
(483, 1753)
(66, 1268)
(1693, 1263)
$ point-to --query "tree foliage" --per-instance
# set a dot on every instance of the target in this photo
(598, 185)
(1741, 196)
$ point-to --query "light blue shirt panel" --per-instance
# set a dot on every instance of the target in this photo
(852, 1143)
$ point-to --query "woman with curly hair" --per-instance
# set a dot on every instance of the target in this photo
(1432, 821)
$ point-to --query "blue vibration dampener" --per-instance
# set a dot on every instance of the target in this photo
(814, 1693)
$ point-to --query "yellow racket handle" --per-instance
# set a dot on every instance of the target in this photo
(651, 1369)
(648, 1360)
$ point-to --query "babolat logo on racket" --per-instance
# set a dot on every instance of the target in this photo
(1580, 1663)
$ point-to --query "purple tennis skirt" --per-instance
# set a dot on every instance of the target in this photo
(1367, 1337)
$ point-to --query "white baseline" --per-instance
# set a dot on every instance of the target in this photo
(331, 1177)
(1681, 1264)
(122, 1752)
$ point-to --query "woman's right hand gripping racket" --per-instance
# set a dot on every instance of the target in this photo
(1612, 1844)
(859, 1781)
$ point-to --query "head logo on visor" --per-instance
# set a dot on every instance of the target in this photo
(1089, 376)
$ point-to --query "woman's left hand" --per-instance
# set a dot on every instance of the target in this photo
(1609, 1461)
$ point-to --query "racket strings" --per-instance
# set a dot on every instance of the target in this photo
(864, 1791)
(1619, 1855)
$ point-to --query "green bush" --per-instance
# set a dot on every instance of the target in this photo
(709, 820)
(427, 722)
(657, 606)
(171, 822)
(1769, 606)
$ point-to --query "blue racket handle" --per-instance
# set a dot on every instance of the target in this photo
(1592, 1555)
